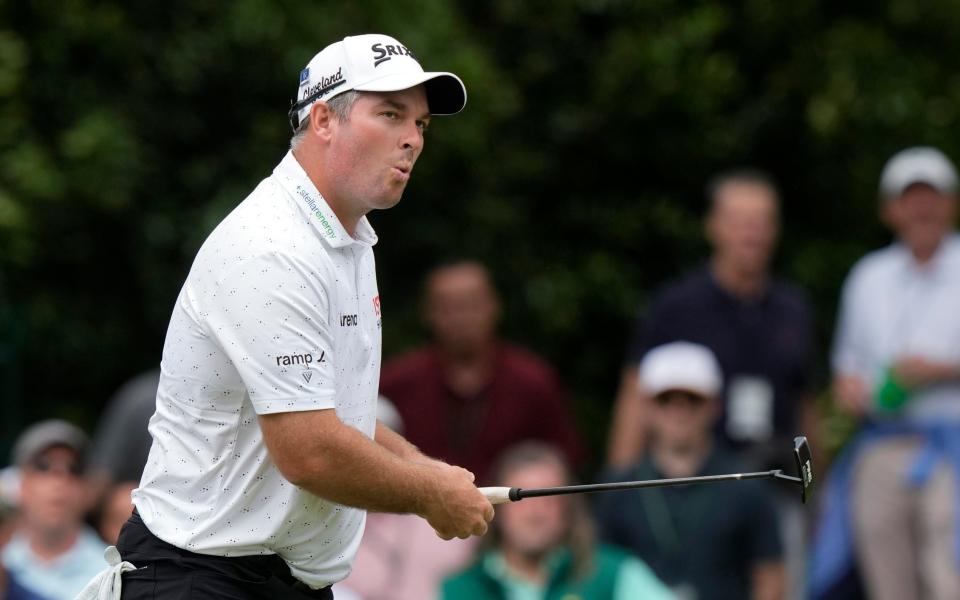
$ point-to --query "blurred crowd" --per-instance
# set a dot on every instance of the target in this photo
(718, 377)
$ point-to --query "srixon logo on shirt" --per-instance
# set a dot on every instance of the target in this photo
(299, 359)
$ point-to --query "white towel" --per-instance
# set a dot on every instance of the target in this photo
(106, 584)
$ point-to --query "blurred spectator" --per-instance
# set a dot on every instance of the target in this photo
(114, 508)
(121, 442)
(543, 548)
(893, 497)
(400, 556)
(759, 328)
(708, 542)
(52, 552)
(470, 394)
(10, 588)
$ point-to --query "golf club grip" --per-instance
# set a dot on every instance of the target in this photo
(497, 495)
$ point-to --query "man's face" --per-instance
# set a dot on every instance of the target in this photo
(462, 309)
(743, 225)
(535, 526)
(53, 493)
(372, 153)
(921, 216)
(682, 420)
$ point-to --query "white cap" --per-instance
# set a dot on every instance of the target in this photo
(681, 366)
(373, 63)
(921, 164)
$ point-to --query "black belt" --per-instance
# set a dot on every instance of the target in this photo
(138, 545)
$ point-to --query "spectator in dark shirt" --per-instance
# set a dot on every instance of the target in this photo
(708, 542)
(759, 328)
(470, 394)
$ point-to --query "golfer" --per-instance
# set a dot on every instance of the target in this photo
(266, 451)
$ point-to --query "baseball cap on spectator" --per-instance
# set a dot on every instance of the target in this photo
(372, 63)
(921, 164)
(40, 437)
(681, 366)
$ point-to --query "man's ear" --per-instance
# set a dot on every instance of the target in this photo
(321, 120)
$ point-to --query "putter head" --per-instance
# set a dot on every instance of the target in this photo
(801, 453)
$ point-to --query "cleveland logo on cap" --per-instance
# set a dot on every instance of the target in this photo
(383, 53)
(323, 85)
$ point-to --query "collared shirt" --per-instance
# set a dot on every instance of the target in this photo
(62, 577)
(612, 575)
(892, 308)
(280, 313)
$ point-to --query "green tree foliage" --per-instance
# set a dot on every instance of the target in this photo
(129, 129)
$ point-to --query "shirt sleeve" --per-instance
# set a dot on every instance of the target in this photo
(270, 314)
(847, 356)
(636, 580)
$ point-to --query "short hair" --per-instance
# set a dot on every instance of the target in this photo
(581, 536)
(742, 175)
(454, 262)
(340, 105)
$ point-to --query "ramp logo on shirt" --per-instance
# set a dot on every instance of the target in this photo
(306, 359)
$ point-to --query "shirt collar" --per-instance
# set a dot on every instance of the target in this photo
(943, 264)
(295, 181)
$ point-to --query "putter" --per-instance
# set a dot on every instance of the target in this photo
(801, 455)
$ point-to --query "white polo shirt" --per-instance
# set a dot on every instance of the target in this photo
(891, 308)
(280, 312)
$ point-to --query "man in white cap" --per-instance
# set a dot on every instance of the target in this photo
(266, 450)
(896, 362)
(720, 542)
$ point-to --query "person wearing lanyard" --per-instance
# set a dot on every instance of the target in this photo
(707, 542)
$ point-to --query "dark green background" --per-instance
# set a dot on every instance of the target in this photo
(129, 129)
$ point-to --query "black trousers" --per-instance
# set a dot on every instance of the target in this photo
(165, 572)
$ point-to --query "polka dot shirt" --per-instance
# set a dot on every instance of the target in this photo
(280, 313)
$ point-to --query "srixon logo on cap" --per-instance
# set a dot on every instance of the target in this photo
(384, 52)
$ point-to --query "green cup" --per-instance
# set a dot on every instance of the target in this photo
(891, 395)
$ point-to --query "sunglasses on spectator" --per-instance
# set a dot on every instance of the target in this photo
(675, 396)
(71, 468)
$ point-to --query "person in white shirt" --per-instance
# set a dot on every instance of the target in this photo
(896, 363)
(266, 451)
(52, 553)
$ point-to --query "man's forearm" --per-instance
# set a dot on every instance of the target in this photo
(337, 462)
(397, 444)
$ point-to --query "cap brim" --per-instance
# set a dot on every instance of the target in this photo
(897, 189)
(446, 94)
(680, 387)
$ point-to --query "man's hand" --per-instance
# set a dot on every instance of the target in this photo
(916, 371)
(851, 395)
(457, 508)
